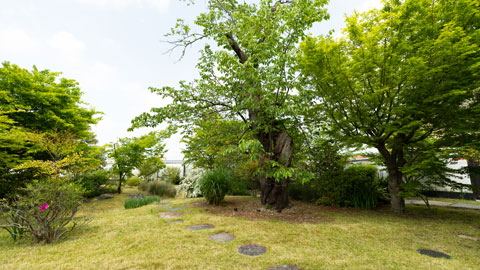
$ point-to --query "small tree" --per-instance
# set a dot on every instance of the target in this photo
(130, 153)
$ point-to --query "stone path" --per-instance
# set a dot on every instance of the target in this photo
(176, 208)
(222, 237)
(200, 227)
(252, 250)
(444, 204)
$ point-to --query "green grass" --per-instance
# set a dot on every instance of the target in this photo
(138, 239)
(138, 202)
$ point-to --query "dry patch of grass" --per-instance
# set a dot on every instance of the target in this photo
(119, 238)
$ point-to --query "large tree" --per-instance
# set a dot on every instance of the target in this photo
(245, 73)
(33, 102)
(399, 76)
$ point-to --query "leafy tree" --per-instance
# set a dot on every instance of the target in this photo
(246, 74)
(33, 102)
(400, 75)
(130, 153)
(149, 167)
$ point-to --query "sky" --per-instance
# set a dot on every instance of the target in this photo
(114, 49)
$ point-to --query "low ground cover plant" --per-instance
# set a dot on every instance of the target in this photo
(138, 202)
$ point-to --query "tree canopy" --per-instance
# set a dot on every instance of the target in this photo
(35, 104)
(399, 75)
(245, 73)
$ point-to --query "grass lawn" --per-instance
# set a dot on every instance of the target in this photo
(138, 238)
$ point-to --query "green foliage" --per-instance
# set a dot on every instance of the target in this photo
(171, 175)
(138, 202)
(133, 181)
(356, 186)
(158, 188)
(130, 153)
(246, 71)
(190, 185)
(47, 209)
(34, 103)
(215, 184)
(148, 168)
(400, 75)
(92, 182)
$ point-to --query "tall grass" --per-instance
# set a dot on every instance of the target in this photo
(158, 188)
(138, 202)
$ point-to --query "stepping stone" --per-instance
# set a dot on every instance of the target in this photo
(169, 215)
(162, 203)
(176, 221)
(285, 267)
(252, 250)
(200, 227)
(468, 237)
(464, 205)
(222, 237)
(433, 253)
(176, 208)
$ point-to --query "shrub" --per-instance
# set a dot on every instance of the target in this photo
(356, 186)
(92, 182)
(133, 181)
(158, 188)
(239, 186)
(47, 210)
(190, 185)
(171, 175)
(138, 202)
(215, 184)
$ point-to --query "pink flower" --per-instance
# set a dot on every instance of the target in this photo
(44, 207)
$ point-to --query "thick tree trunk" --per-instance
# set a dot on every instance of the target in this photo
(394, 161)
(394, 181)
(275, 193)
(474, 173)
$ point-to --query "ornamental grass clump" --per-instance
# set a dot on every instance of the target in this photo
(215, 184)
(138, 202)
(45, 212)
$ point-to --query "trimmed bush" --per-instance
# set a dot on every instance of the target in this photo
(138, 202)
(133, 181)
(158, 188)
(215, 184)
(171, 175)
(190, 185)
(93, 181)
(47, 210)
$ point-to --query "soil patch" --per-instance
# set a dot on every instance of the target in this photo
(252, 209)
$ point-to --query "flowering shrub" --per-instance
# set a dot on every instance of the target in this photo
(46, 212)
(189, 186)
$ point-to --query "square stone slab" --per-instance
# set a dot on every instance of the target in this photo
(200, 227)
(170, 215)
(222, 237)
(252, 250)
(433, 253)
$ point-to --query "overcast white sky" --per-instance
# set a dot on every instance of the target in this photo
(113, 49)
